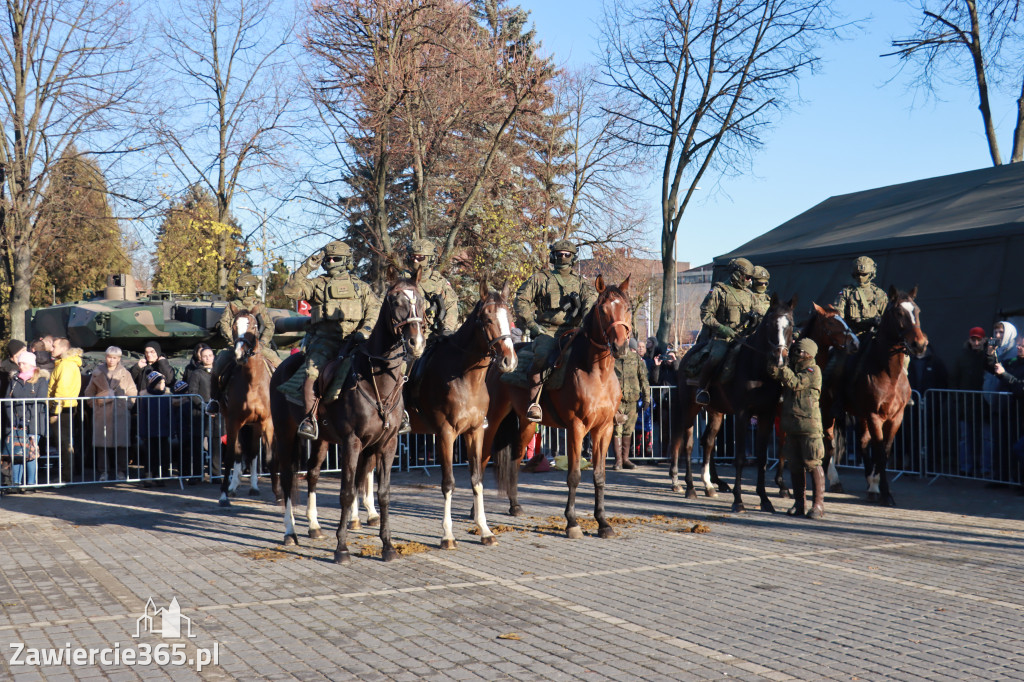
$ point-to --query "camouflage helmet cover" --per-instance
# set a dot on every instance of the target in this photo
(806, 345)
(863, 266)
(761, 273)
(421, 247)
(564, 245)
(742, 266)
(247, 282)
(337, 248)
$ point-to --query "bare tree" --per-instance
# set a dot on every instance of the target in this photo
(970, 42)
(232, 76)
(69, 74)
(700, 81)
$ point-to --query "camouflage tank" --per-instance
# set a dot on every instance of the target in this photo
(121, 318)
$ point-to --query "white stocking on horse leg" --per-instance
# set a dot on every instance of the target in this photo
(372, 517)
(486, 536)
(447, 537)
(312, 519)
(236, 478)
(289, 523)
(254, 477)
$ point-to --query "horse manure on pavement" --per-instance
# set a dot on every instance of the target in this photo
(403, 549)
(267, 554)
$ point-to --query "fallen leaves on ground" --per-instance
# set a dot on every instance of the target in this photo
(403, 549)
(497, 530)
(510, 635)
(267, 554)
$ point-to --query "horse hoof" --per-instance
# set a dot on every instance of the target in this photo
(678, 488)
(489, 541)
(253, 492)
(784, 495)
(448, 543)
(355, 525)
(574, 532)
(724, 488)
(767, 506)
(373, 522)
(691, 494)
(888, 501)
(389, 554)
(872, 497)
(836, 488)
(291, 540)
(232, 493)
(224, 502)
(515, 510)
(710, 492)
(315, 534)
(342, 557)
(606, 532)
(738, 508)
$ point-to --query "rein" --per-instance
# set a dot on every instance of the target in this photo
(388, 403)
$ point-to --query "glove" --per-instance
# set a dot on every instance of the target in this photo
(315, 260)
(727, 332)
(534, 330)
(646, 405)
(876, 321)
(447, 332)
(357, 337)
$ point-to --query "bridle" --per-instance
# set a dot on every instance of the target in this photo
(494, 344)
(398, 325)
(606, 331)
(250, 346)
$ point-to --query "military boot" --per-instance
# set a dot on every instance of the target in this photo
(818, 510)
(799, 488)
(533, 412)
(212, 407)
(707, 372)
(617, 452)
(627, 443)
(405, 427)
(308, 427)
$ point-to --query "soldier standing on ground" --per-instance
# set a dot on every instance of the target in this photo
(549, 304)
(632, 375)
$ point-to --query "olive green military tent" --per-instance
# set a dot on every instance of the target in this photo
(959, 238)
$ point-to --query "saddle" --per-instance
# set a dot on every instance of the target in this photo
(695, 358)
(553, 374)
(332, 379)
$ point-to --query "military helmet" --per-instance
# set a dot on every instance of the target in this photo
(806, 345)
(247, 282)
(421, 247)
(558, 247)
(761, 273)
(337, 258)
(337, 248)
(863, 266)
(742, 266)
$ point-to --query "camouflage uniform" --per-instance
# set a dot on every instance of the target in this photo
(343, 309)
(726, 313)
(759, 288)
(631, 372)
(246, 287)
(862, 305)
(551, 303)
(442, 313)
(800, 419)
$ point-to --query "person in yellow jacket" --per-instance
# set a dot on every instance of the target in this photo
(65, 382)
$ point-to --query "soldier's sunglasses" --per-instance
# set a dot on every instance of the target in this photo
(418, 259)
(563, 254)
(335, 259)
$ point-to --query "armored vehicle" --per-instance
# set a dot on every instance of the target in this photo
(122, 318)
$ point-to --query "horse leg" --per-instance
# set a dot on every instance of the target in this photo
(526, 431)
(761, 440)
(831, 428)
(691, 491)
(673, 445)
(867, 430)
(601, 440)
(739, 460)
(229, 463)
(312, 478)
(707, 444)
(388, 551)
(447, 438)
(254, 462)
(474, 446)
(288, 471)
(574, 436)
(349, 455)
(267, 439)
(883, 452)
(372, 517)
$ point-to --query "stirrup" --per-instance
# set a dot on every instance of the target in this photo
(212, 408)
(405, 427)
(702, 397)
(308, 428)
(534, 413)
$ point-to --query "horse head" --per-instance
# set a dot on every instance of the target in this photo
(828, 329)
(403, 311)
(776, 328)
(245, 336)
(493, 322)
(902, 321)
(611, 317)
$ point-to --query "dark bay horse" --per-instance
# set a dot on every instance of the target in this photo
(750, 393)
(363, 421)
(247, 402)
(452, 397)
(878, 389)
(585, 403)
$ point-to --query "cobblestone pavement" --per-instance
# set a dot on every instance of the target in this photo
(930, 590)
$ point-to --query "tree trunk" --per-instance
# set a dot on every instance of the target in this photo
(21, 290)
(1018, 130)
(982, 81)
(667, 316)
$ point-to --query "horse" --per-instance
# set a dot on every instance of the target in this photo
(827, 328)
(750, 393)
(246, 402)
(452, 397)
(586, 402)
(879, 391)
(363, 421)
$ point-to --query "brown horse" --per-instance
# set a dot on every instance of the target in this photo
(452, 396)
(879, 390)
(750, 393)
(247, 402)
(363, 421)
(585, 403)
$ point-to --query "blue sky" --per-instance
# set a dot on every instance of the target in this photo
(858, 127)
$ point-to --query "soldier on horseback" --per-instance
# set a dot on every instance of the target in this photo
(246, 300)
(549, 304)
(862, 305)
(442, 315)
(343, 312)
(727, 313)
(759, 287)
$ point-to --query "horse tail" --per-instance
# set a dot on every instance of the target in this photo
(505, 440)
